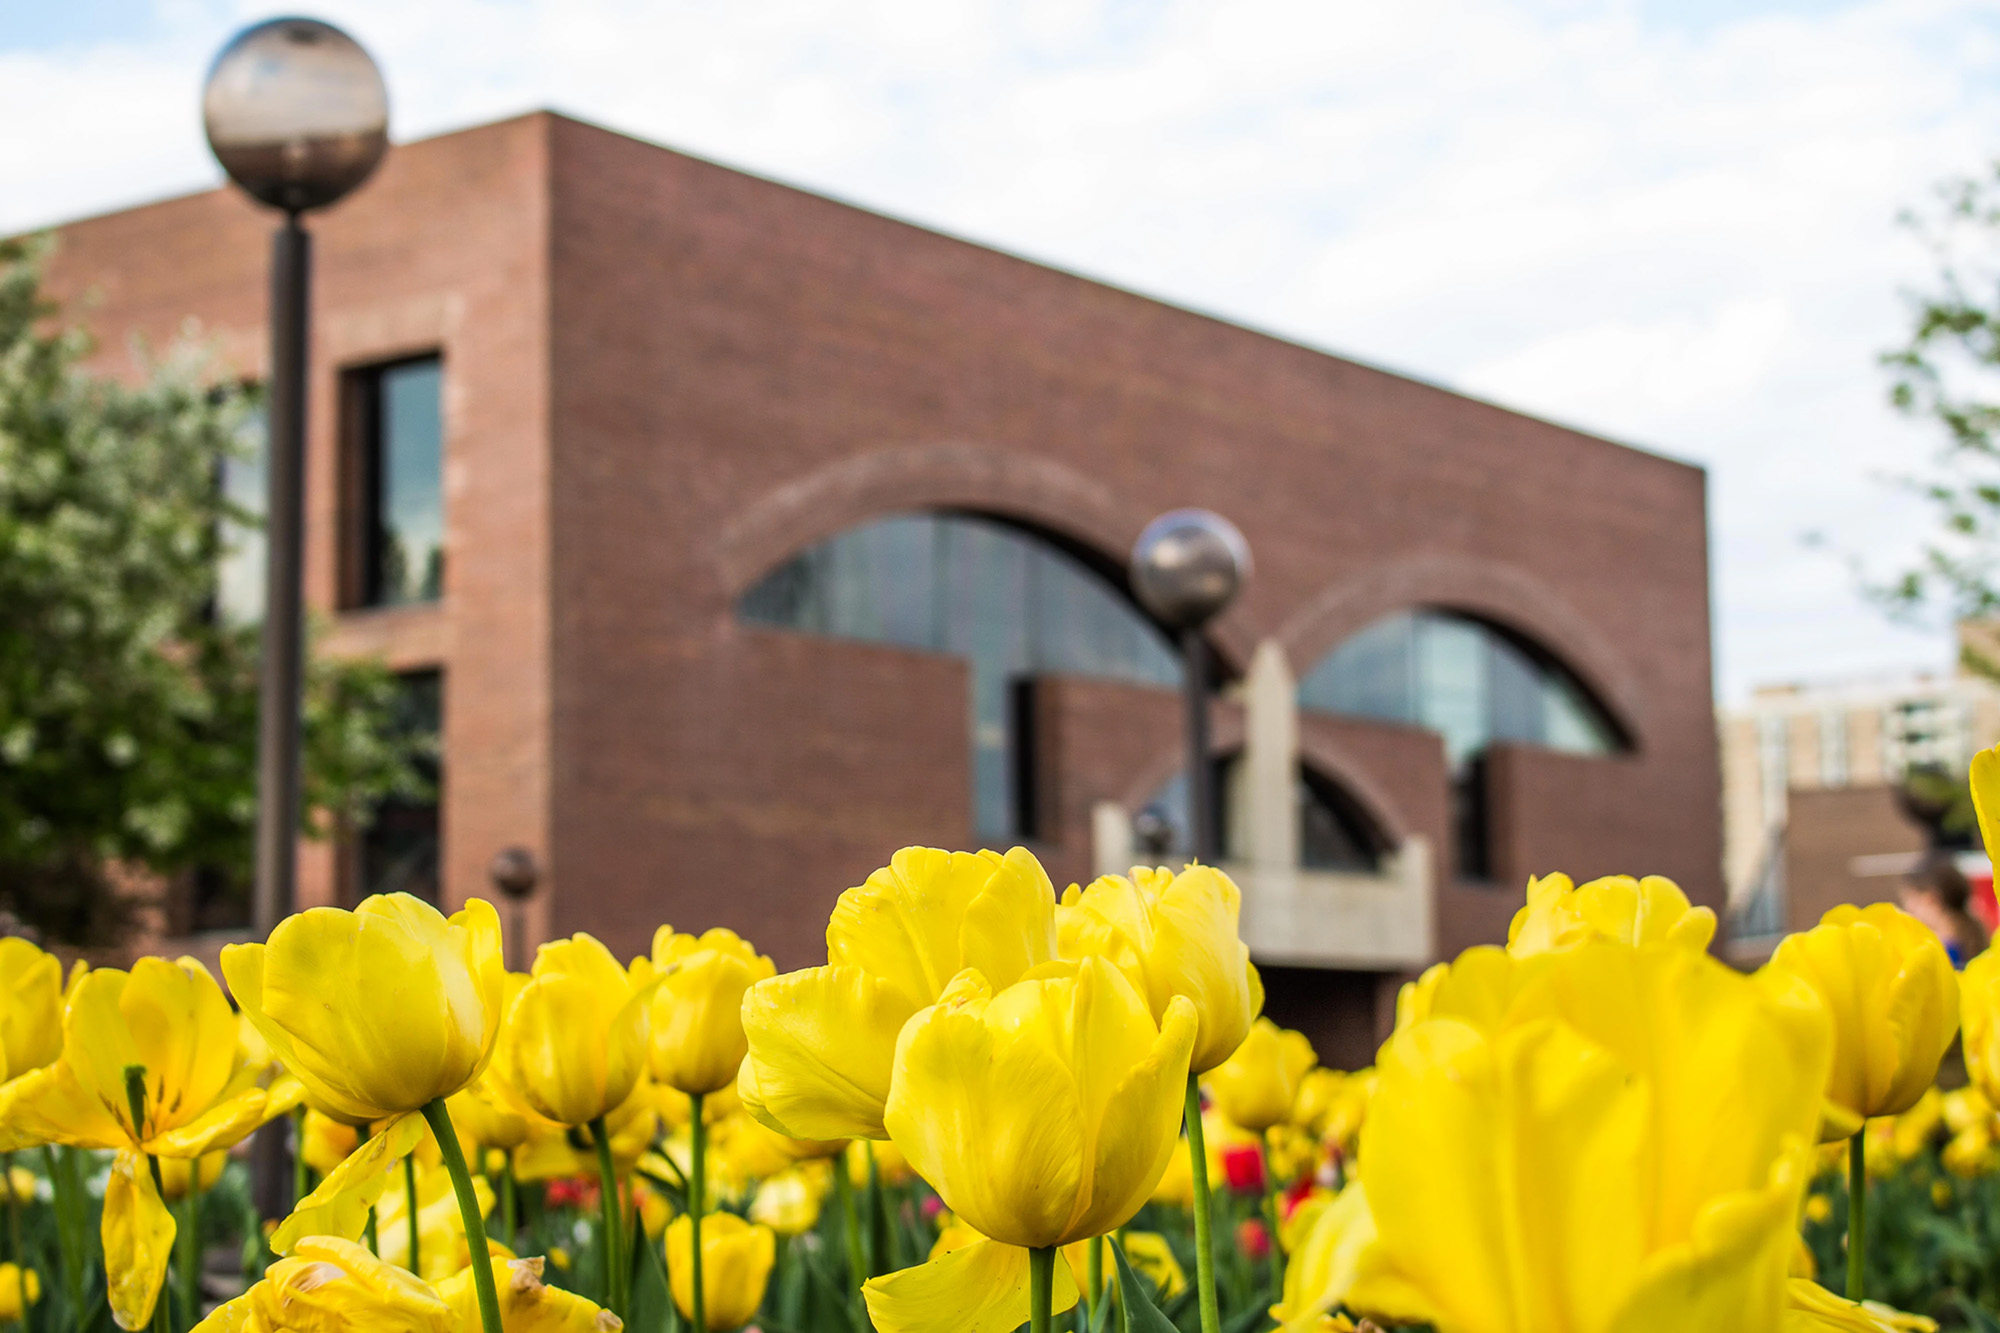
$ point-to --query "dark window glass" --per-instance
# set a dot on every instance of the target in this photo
(1334, 832)
(239, 581)
(399, 484)
(1471, 683)
(1013, 605)
(399, 850)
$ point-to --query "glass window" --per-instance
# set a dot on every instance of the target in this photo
(398, 852)
(1468, 681)
(1013, 605)
(1334, 832)
(239, 581)
(1473, 684)
(399, 484)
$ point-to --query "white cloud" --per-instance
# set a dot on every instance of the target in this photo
(1678, 232)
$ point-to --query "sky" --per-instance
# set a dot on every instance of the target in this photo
(1672, 222)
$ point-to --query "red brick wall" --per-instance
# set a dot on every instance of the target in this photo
(665, 376)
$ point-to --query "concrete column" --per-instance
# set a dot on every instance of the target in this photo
(1268, 810)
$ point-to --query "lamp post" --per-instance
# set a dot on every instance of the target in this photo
(1187, 566)
(514, 873)
(298, 116)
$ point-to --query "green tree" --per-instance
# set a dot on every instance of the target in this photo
(1948, 372)
(128, 706)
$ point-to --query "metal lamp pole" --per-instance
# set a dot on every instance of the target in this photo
(1187, 566)
(297, 114)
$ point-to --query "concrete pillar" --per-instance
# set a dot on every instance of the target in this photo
(1267, 812)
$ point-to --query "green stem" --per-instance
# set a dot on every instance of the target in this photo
(607, 1199)
(1275, 1253)
(67, 1248)
(697, 1204)
(191, 1245)
(410, 1211)
(468, 1211)
(509, 1205)
(1041, 1287)
(362, 1133)
(1093, 1281)
(850, 1223)
(1857, 1216)
(1204, 1242)
(299, 1168)
(878, 1217)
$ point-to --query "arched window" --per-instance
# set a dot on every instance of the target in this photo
(1012, 603)
(1467, 680)
(1335, 833)
(1472, 683)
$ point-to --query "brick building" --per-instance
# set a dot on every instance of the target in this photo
(738, 536)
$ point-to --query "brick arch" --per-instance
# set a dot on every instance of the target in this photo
(1504, 595)
(1328, 758)
(831, 499)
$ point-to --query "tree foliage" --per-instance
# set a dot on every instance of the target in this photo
(128, 706)
(1949, 372)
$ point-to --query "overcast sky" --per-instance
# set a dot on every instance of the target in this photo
(1670, 221)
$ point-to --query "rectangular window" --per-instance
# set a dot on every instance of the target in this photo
(1833, 748)
(394, 484)
(399, 850)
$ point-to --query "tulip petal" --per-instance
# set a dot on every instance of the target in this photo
(51, 1105)
(1134, 1123)
(1325, 1264)
(1731, 1272)
(183, 1032)
(1539, 1132)
(822, 1045)
(339, 1207)
(229, 1317)
(903, 925)
(224, 1125)
(1010, 924)
(993, 1070)
(138, 1237)
(982, 1287)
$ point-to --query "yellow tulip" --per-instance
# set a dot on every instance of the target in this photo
(326, 1142)
(736, 1258)
(1814, 1309)
(576, 1034)
(1618, 908)
(526, 1306)
(329, 1283)
(31, 1017)
(886, 1159)
(161, 1036)
(486, 1120)
(1042, 1114)
(441, 1245)
(379, 1011)
(789, 1202)
(822, 1042)
(1589, 1157)
(19, 1289)
(1325, 1260)
(1033, 1140)
(698, 1041)
(1894, 999)
(177, 1172)
(1256, 1086)
(1153, 1259)
(23, 1184)
(1172, 934)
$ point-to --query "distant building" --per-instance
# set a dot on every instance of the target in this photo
(735, 537)
(1812, 814)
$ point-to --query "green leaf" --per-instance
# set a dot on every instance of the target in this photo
(1142, 1316)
